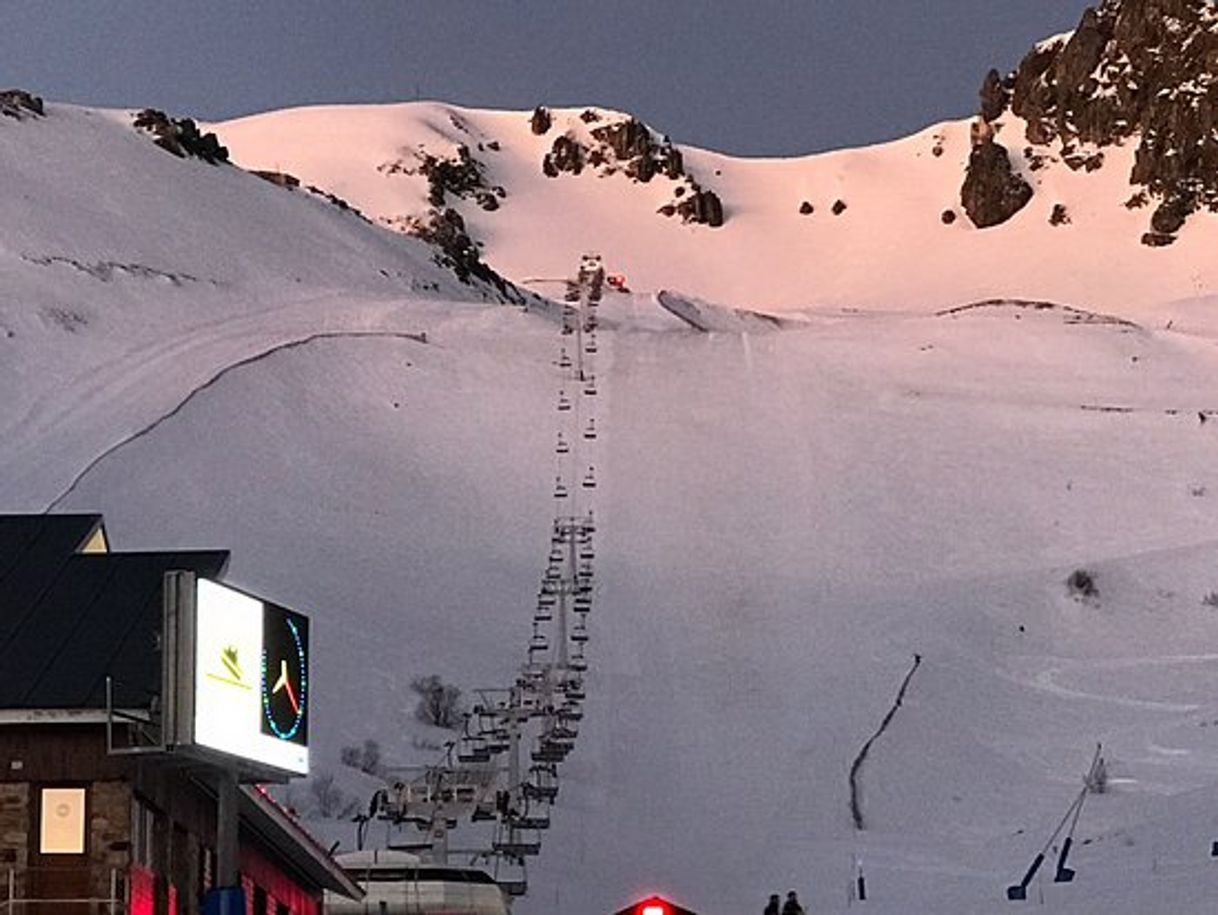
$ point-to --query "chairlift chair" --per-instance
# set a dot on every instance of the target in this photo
(564, 402)
(548, 754)
(590, 344)
(543, 792)
(564, 361)
(590, 430)
(516, 846)
(562, 732)
(483, 812)
(589, 479)
(563, 447)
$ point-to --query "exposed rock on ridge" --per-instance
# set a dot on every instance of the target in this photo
(629, 146)
(19, 104)
(1142, 70)
(181, 136)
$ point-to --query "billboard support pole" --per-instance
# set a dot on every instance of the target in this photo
(226, 829)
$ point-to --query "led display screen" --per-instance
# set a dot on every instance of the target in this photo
(251, 678)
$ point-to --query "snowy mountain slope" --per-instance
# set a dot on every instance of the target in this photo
(130, 277)
(888, 245)
(785, 520)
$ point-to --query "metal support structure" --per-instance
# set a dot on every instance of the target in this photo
(227, 829)
(539, 714)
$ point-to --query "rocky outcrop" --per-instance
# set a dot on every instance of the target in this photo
(703, 207)
(1142, 70)
(992, 192)
(279, 179)
(19, 104)
(541, 121)
(630, 147)
(995, 96)
(458, 252)
(566, 155)
(181, 136)
(462, 176)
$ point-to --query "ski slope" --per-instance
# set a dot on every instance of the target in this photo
(784, 520)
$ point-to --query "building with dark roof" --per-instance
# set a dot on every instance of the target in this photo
(91, 810)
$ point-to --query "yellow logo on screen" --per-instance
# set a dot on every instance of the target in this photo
(229, 670)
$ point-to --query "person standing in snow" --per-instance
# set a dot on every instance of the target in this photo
(792, 906)
(773, 907)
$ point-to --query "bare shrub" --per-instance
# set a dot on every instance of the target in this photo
(366, 758)
(439, 702)
(1081, 585)
(329, 799)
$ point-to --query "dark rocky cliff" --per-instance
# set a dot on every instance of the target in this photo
(1133, 71)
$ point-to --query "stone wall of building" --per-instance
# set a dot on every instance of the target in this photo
(109, 832)
(14, 833)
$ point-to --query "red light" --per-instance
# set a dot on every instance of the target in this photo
(654, 908)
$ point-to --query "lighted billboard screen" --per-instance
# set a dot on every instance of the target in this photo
(251, 678)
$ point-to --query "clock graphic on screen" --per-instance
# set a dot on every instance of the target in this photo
(285, 675)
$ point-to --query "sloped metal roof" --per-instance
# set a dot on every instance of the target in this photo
(69, 619)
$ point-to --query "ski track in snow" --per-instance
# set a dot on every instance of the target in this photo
(1046, 680)
(241, 363)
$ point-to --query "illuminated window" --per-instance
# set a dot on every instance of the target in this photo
(62, 821)
(97, 543)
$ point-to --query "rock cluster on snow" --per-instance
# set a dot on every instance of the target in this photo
(181, 136)
(462, 176)
(1145, 70)
(629, 146)
(19, 104)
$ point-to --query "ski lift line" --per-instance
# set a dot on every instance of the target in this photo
(548, 690)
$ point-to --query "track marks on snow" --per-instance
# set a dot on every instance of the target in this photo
(214, 379)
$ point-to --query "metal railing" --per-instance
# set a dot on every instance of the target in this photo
(14, 885)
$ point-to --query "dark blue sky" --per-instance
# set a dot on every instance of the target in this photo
(756, 78)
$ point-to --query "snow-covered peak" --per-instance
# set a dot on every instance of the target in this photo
(852, 228)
